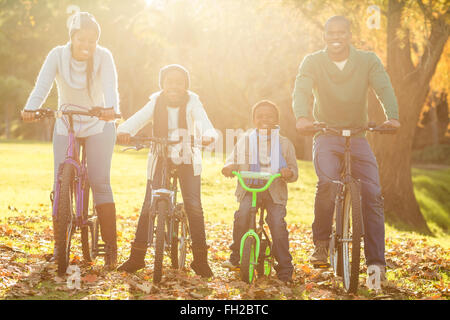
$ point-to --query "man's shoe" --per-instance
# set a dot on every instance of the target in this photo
(371, 277)
(320, 255)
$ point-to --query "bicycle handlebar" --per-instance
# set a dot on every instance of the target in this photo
(48, 113)
(145, 142)
(346, 132)
(255, 175)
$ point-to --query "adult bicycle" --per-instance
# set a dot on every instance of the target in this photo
(72, 208)
(348, 223)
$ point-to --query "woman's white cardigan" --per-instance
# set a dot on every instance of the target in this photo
(198, 125)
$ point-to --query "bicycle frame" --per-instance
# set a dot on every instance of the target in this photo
(167, 192)
(72, 158)
(253, 231)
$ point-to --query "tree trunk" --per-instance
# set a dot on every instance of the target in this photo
(411, 85)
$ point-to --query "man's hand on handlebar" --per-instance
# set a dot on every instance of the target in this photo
(304, 124)
(391, 123)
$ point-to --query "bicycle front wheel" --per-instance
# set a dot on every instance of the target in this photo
(351, 237)
(64, 216)
(248, 260)
(180, 233)
(265, 259)
(161, 216)
(89, 227)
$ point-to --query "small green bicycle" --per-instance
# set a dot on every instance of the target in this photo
(256, 247)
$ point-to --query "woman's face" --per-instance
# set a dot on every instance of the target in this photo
(84, 43)
(174, 86)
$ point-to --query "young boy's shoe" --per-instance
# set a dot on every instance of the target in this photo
(230, 265)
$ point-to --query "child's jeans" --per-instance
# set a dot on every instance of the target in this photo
(278, 230)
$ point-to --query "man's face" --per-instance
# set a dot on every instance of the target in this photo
(174, 86)
(337, 36)
(265, 117)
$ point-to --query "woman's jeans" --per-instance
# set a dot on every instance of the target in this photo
(278, 230)
(99, 149)
(328, 154)
(190, 191)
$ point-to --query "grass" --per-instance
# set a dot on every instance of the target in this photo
(26, 172)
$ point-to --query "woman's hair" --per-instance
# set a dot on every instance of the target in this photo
(265, 103)
(85, 21)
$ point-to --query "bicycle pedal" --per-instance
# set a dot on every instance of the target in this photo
(321, 266)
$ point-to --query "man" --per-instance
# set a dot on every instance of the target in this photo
(339, 77)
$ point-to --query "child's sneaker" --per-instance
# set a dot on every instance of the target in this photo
(229, 265)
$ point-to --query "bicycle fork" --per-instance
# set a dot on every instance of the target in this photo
(251, 233)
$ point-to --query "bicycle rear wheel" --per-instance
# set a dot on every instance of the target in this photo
(161, 216)
(64, 216)
(180, 233)
(248, 260)
(351, 237)
(89, 230)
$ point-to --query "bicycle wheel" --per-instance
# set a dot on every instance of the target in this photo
(248, 260)
(90, 230)
(161, 215)
(64, 216)
(180, 239)
(264, 266)
(351, 237)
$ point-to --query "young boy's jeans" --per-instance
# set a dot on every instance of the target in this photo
(328, 154)
(280, 236)
(190, 190)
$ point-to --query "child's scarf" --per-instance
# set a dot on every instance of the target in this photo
(277, 160)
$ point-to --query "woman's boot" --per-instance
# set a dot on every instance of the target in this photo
(106, 214)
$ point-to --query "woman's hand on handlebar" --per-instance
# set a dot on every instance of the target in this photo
(29, 116)
(107, 114)
(123, 138)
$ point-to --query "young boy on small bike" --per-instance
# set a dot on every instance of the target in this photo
(263, 149)
(173, 109)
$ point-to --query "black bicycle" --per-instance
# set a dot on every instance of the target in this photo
(168, 222)
(348, 224)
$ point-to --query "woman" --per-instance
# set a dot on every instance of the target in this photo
(174, 110)
(86, 77)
